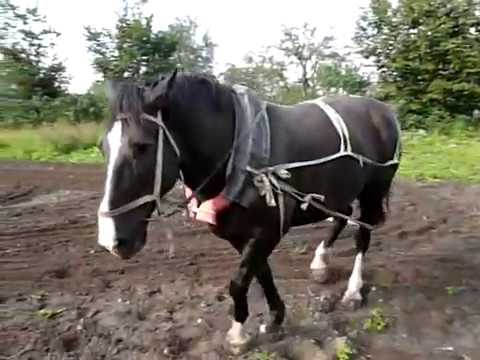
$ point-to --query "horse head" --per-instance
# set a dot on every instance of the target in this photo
(142, 164)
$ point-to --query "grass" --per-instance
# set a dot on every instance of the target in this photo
(426, 156)
(59, 142)
(436, 157)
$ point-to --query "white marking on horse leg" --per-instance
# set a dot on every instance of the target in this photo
(355, 282)
(236, 336)
(106, 225)
(320, 260)
(319, 264)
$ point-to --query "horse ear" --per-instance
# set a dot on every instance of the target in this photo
(160, 88)
(111, 89)
(171, 80)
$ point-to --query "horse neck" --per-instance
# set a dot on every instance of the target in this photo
(206, 137)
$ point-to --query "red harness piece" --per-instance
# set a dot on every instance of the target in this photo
(207, 211)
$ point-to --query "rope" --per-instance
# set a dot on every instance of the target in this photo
(270, 182)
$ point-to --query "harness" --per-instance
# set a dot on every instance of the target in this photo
(271, 179)
(268, 180)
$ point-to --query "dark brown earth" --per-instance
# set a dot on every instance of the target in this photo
(171, 300)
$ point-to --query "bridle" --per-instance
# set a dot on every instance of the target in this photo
(155, 196)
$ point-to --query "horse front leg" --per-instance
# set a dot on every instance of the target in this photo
(253, 263)
(275, 302)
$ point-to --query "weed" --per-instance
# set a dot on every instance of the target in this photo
(50, 314)
(264, 356)
(377, 322)
(344, 352)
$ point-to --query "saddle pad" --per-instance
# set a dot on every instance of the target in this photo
(251, 145)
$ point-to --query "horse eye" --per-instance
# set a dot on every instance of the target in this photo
(140, 149)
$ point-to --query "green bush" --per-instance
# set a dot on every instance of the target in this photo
(37, 111)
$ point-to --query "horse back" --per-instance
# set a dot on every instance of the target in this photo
(304, 131)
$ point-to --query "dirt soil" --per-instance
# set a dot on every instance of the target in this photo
(62, 297)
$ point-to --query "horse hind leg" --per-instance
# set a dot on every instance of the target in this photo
(321, 259)
(372, 213)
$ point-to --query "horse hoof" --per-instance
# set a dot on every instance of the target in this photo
(352, 303)
(237, 346)
(271, 328)
(320, 275)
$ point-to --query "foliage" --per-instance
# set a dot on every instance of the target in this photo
(190, 54)
(264, 355)
(261, 73)
(306, 53)
(426, 52)
(377, 322)
(453, 290)
(338, 78)
(322, 70)
(29, 74)
(72, 108)
(28, 69)
(344, 352)
(50, 313)
(134, 49)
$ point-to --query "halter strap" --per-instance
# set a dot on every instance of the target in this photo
(157, 187)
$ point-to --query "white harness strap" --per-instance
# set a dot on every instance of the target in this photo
(337, 122)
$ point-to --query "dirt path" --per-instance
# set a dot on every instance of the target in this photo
(170, 301)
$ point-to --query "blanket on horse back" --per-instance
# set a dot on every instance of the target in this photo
(251, 147)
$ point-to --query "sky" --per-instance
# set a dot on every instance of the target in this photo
(237, 27)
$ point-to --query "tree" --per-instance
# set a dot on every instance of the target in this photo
(426, 52)
(338, 78)
(261, 73)
(25, 49)
(31, 77)
(306, 53)
(133, 49)
(191, 54)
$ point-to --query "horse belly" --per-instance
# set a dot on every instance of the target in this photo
(339, 181)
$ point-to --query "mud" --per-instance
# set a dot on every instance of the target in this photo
(62, 297)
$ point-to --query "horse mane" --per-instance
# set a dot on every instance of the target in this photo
(199, 87)
(190, 88)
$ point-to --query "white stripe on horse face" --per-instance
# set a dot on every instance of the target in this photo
(106, 225)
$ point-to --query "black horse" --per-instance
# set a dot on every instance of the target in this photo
(186, 124)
